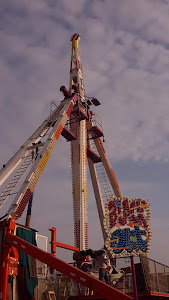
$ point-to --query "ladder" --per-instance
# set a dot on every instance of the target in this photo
(107, 190)
(40, 133)
(16, 178)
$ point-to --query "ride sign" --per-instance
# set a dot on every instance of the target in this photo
(127, 225)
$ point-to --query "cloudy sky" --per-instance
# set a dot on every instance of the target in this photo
(125, 56)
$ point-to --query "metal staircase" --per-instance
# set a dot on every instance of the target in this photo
(16, 178)
(50, 121)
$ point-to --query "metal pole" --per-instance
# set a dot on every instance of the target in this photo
(29, 212)
(4, 261)
(134, 278)
(53, 240)
(14, 288)
(4, 267)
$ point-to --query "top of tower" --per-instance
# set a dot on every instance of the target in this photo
(75, 37)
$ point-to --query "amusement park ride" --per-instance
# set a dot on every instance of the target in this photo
(124, 222)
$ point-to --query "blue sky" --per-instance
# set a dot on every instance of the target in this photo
(125, 56)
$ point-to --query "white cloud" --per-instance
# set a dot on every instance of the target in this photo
(125, 56)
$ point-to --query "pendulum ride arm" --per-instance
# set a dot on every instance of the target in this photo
(79, 148)
(55, 122)
(79, 155)
(11, 165)
(34, 174)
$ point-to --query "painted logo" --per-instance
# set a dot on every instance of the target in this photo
(127, 225)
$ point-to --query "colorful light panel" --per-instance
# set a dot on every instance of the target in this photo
(127, 225)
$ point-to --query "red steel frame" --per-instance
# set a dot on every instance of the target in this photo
(7, 252)
(55, 244)
(12, 241)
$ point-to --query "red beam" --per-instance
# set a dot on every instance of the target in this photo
(6, 251)
(4, 267)
(65, 246)
(79, 276)
(55, 244)
(158, 294)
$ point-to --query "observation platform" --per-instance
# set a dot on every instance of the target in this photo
(152, 278)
